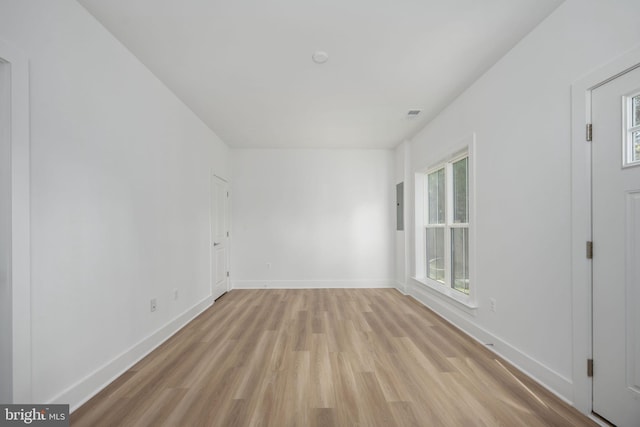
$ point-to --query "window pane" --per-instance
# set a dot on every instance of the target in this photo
(635, 138)
(436, 197)
(460, 193)
(460, 259)
(636, 110)
(435, 254)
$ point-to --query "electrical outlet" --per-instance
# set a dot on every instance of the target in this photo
(492, 304)
(154, 304)
(175, 294)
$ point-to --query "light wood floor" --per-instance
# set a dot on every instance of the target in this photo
(335, 357)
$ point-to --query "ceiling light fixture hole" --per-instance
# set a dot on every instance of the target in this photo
(320, 57)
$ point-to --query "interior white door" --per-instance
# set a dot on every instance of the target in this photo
(616, 249)
(219, 237)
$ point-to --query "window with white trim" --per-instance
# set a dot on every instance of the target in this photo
(447, 223)
(631, 148)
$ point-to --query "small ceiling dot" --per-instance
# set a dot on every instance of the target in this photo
(320, 57)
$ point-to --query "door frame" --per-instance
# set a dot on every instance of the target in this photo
(227, 215)
(581, 222)
(16, 64)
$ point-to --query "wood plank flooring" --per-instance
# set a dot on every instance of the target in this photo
(328, 357)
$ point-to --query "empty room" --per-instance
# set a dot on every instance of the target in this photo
(320, 213)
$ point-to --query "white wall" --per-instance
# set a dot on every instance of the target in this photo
(520, 113)
(321, 218)
(120, 191)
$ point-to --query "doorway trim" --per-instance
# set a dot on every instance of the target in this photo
(18, 67)
(581, 221)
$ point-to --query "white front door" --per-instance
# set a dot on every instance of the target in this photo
(616, 249)
(219, 237)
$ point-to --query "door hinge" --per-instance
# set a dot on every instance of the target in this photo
(227, 274)
(590, 368)
(589, 250)
(227, 234)
(227, 194)
(589, 132)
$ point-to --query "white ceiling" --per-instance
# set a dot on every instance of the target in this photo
(244, 66)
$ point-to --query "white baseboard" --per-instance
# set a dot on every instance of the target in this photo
(545, 376)
(85, 389)
(401, 287)
(312, 284)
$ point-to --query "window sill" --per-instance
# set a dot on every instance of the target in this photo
(465, 302)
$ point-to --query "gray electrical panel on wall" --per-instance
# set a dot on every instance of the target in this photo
(400, 206)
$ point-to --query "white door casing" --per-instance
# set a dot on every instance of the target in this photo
(615, 265)
(15, 77)
(219, 237)
(6, 304)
